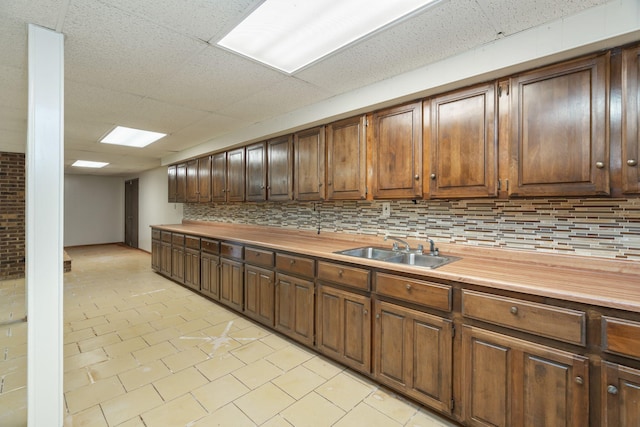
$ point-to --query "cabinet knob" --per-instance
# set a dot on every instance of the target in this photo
(433, 176)
(632, 162)
(612, 389)
(514, 310)
(417, 177)
(365, 312)
(599, 165)
(377, 316)
(293, 261)
(340, 272)
(408, 286)
(579, 380)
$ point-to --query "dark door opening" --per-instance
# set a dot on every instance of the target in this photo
(131, 213)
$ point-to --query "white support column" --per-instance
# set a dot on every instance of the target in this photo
(45, 162)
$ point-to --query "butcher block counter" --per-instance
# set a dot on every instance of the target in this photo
(495, 338)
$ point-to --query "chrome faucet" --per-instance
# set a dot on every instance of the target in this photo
(432, 247)
(395, 245)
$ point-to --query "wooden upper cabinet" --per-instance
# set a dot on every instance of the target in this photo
(347, 159)
(257, 172)
(181, 183)
(309, 153)
(461, 144)
(219, 177)
(172, 177)
(235, 175)
(558, 139)
(397, 152)
(630, 120)
(280, 168)
(204, 179)
(192, 181)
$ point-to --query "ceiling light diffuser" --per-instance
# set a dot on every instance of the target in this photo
(289, 34)
(131, 137)
(88, 164)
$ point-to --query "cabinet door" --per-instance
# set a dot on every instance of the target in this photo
(177, 263)
(256, 172)
(397, 152)
(156, 255)
(280, 168)
(413, 354)
(343, 327)
(309, 151)
(461, 143)
(210, 275)
(630, 120)
(172, 176)
(219, 177)
(181, 183)
(231, 283)
(204, 179)
(559, 143)
(192, 181)
(295, 308)
(513, 382)
(165, 259)
(235, 175)
(259, 294)
(620, 395)
(347, 159)
(192, 269)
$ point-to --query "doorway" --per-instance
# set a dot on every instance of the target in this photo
(131, 213)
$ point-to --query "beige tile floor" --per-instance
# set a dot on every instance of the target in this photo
(141, 350)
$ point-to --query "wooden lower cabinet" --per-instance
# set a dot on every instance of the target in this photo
(294, 308)
(165, 259)
(343, 327)
(210, 275)
(192, 269)
(620, 396)
(259, 294)
(231, 283)
(511, 382)
(413, 354)
(156, 255)
(177, 263)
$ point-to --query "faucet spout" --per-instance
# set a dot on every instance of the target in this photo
(395, 245)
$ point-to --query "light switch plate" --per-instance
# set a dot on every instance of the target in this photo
(386, 210)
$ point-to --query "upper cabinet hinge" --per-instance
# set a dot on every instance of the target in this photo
(366, 122)
(453, 331)
(503, 87)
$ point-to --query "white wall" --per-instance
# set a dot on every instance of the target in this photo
(153, 208)
(93, 210)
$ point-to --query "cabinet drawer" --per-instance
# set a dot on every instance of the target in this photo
(177, 239)
(348, 276)
(429, 294)
(621, 336)
(295, 265)
(155, 234)
(544, 320)
(192, 242)
(210, 246)
(166, 236)
(258, 257)
(229, 250)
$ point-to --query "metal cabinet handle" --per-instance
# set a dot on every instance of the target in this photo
(632, 162)
(377, 316)
(433, 176)
(293, 261)
(408, 286)
(417, 177)
(365, 312)
(612, 389)
(599, 165)
(340, 272)
(514, 310)
(579, 380)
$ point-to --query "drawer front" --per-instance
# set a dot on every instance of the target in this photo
(259, 257)
(210, 246)
(229, 250)
(348, 276)
(429, 294)
(166, 236)
(539, 319)
(155, 234)
(295, 265)
(621, 336)
(192, 242)
(177, 239)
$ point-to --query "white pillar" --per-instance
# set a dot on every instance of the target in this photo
(44, 161)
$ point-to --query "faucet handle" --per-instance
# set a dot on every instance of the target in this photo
(420, 248)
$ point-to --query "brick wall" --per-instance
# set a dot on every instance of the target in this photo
(12, 215)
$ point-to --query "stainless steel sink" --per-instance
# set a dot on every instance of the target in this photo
(399, 257)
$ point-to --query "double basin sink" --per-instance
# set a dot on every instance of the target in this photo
(413, 258)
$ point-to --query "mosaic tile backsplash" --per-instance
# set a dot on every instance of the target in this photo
(607, 228)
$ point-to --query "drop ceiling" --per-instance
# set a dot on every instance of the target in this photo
(154, 65)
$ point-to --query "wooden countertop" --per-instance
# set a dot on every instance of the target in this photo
(589, 280)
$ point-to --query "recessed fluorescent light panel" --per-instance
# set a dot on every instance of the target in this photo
(131, 137)
(88, 164)
(289, 34)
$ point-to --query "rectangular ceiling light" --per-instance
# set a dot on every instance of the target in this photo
(131, 137)
(88, 164)
(289, 34)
